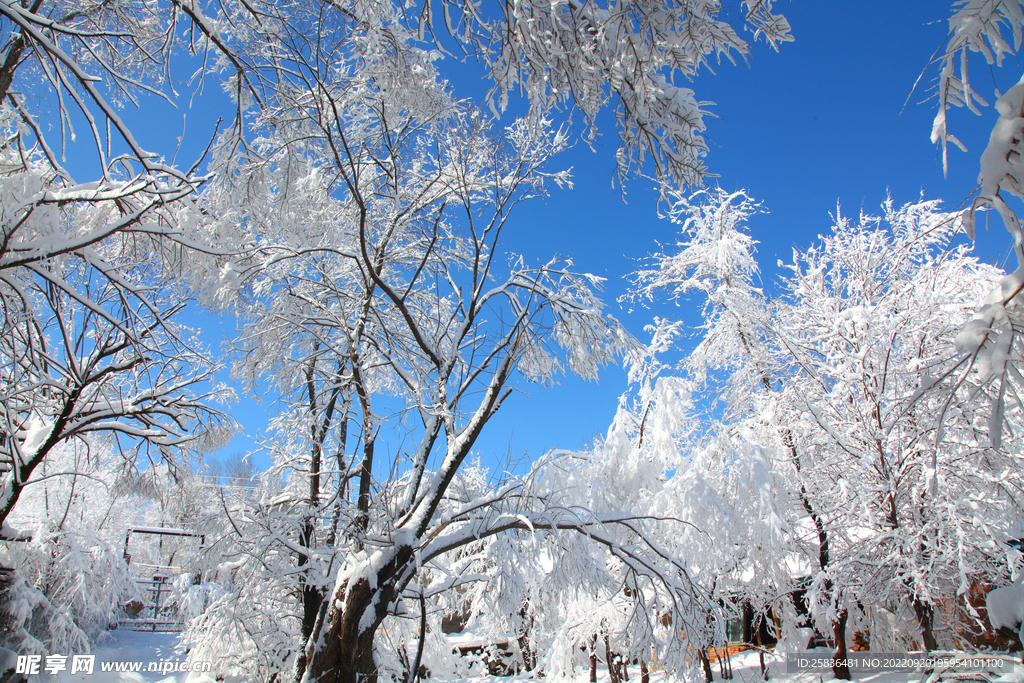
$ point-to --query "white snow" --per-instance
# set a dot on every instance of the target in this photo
(468, 639)
(136, 646)
(35, 434)
(1006, 606)
(8, 659)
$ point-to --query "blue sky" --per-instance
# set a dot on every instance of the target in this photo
(821, 123)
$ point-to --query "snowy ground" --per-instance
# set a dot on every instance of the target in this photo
(138, 650)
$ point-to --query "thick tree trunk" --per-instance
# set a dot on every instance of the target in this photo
(347, 653)
(839, 669)
(593, 659)
(924, 614)
(347, 633)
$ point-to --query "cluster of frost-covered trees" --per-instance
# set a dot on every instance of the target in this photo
(853, 437)
(836, 426)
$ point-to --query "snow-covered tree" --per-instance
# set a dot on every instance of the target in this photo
(635, 56)
(93, 271)
(989, 345)
(71, 577)
(378, 300)
(89, 340)
(744, 464)
(835, 397)
(869, 329)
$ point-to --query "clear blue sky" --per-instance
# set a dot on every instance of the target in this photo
(815, 125)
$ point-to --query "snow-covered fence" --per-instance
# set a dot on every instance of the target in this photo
(157, 612)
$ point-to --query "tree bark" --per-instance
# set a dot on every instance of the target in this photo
(705, 663)
(523, 638)
(923, 612)
(760, 649)
(414, 670)
(347, 653)
(839, 668)
(593, 659)
(609, 658)
(725, 663)
(312, 599)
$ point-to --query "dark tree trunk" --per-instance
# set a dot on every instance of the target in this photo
(312, 599)
(347, 653)
(924, 614)
(414, 670)
(645, 676)
(760, 650)
(840, 669)
(609, 657)
(748, 623)
(523, 638)
(725, 663)
(593, 659)
(705, 663)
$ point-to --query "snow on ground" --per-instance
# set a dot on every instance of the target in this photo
(141, 651)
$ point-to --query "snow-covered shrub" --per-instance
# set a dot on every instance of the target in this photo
(70, 580)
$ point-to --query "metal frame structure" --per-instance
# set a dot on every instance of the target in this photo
(153, 616)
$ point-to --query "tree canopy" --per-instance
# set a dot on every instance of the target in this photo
(851, 435)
